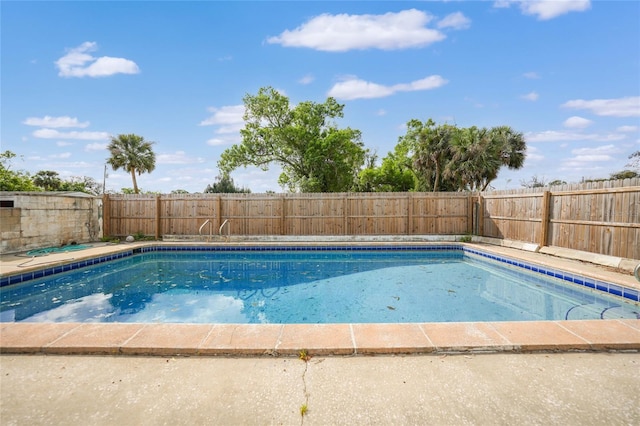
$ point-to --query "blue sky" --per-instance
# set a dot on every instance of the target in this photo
(565, 73)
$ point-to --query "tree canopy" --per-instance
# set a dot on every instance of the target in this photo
(314, 154)
(50, 180)
(44, 180)
(448, 158)
(224, 185)
(14, 180)
(133, 154)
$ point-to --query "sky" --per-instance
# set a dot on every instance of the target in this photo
(73, 74)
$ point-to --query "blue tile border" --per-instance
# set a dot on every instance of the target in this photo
(605, 287)
(149, 249)
(27, 276)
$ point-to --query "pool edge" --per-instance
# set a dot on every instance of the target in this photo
(319, 339)
(344, 339)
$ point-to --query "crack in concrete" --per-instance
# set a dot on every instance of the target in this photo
(306, 394)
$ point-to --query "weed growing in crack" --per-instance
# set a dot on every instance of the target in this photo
(304, 355)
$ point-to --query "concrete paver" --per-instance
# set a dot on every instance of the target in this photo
(477, 389)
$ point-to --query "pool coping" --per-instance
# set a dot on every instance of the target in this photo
(326, 339)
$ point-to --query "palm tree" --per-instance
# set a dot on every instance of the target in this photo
(479, 153)
(513, 146)
(432, 152)
(133, 154)
(47, 180)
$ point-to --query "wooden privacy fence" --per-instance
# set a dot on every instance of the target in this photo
(288, 214)
(601, 217)
(598, 217)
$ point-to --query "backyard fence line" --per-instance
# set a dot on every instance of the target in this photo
(288, 214)
(599, 217)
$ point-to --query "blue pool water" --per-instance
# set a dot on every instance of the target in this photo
(328, 286)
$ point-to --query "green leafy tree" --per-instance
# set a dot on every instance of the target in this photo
(179, 191)
(11, 180)
(314, 154)
(84, 184)
(48, 180)
(133, 154)
(224, 185)
(393, 175)
(624, 174)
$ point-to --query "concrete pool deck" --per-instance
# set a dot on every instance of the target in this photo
(318, 339)
(487, 389)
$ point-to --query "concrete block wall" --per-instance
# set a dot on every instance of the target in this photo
(48, 219)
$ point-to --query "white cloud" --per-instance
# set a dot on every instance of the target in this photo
(546, 9)
(358, 89)
(54, 122)
(531, 75)
(456, 20)
(63, 143)
(307, 79)
(343, 32)
(226, 115)
(533, 154)
(96, 147)
(620, 107)
(61, 155)
(178, 157)
(218, 142)
(55, 134)
(557, 136)
(61, 166)
(576, 122)
(533, 96)
(224, 140)
(627, 129)
(381, 112)
(587, 159)
(600, 150)
(78, 62)
(355, 88)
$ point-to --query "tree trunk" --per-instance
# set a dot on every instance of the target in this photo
(135, 183)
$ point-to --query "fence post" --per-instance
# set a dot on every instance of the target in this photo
(106, 216)
(409, 214)
(345, 210)
(158, 217)
(219, 210)
(544, 227)
(470, 214)
(480, 215)
(283, 218)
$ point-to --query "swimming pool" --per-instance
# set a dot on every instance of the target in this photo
(281, 285)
